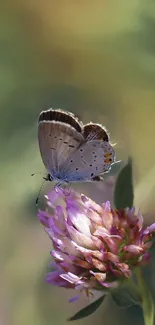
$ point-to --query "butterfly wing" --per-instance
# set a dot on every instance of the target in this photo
(93, 131)
(57, 139)
(89, 161)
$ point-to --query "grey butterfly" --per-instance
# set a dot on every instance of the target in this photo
(71, 151)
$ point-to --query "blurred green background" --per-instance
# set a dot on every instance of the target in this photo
(95, 58)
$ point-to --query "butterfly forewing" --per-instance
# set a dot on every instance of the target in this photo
(93, 131)
(57, 142)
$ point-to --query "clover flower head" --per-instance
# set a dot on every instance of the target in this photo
(94, 246)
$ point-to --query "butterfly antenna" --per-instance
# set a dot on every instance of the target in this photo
(38, 174)
(38, 196)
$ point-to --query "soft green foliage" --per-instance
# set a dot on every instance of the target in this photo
(147, 299)
(127, 294)
(88, 310)
(124, 192)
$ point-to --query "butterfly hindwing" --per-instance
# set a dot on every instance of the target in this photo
(88, 161)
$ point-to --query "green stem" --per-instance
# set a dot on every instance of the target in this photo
(147, 301)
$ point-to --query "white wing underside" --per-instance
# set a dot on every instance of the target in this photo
(57, 143)
(68, 157)
(88, 161)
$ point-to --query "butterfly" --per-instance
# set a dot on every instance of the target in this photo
(72, 151)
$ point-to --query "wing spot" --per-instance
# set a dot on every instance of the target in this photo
(90, 165)
(107, 155)
(84, 162)
(55, 137)
(76, 168)
(108, 160)
(81, 150)
(65, 142)
(96, 168)
(94, 160)
(60, 139)
(92, 174)
(71, 146)
(71, 160)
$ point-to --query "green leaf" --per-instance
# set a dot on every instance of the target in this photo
(88, 310)
(127, 294)
(147, 300)
(123, 193)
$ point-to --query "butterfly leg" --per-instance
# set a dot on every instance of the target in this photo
(61, 187)
(48, 178)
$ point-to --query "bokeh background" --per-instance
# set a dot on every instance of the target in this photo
(95, 58)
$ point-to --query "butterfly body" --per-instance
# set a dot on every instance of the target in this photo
(71, 151)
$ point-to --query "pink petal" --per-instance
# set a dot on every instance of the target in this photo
(55, 279)
(71, 278)
(88, 253)
(113, 284)
(100, 277)
(74, 201)
(101, 231)
(131, 213)
(111, 257)
(81, 263)
(98, 243)
(60, 216)
(54, 196)
(140, 220)
(91, 204)
(79, 220)
(124, 268)
(107, 217)
(149, 230)
(94, 217)
(44, 217)
(59, 256)
(145, 259)
(79, 238)
(68, 246)
(99, 265)
(134, 249)
(108, 239)
(53, 230)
